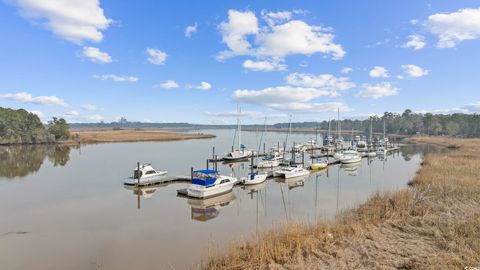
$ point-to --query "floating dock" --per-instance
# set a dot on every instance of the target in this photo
(164, 180)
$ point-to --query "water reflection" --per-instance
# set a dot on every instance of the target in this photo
(207, 209)
(22, 160)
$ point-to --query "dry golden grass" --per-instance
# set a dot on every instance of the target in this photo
(130, 135)
(434, 224)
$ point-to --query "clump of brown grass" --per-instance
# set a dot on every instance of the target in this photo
(435, 223)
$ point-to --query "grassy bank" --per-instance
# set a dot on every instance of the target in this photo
(129, 135)
(432, 224)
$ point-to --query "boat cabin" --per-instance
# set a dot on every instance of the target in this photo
(204, 177)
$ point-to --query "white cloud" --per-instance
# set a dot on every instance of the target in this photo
(414, 71)
(278, 39)
(38, 113)
(95, 118)
(25, 97)
(263, 65)
(378, 72)
(378, 90)
(116, 78)
(74, 20)
(89, 107)
(72, 113)
(273, 18)
(288, 98)
(189, 30)
(474, 107)
(414, 21)
(297, 37)
(234, 32)
(95, 55)
(168, 84)
(346, 70)
(156, 56)
(299, 94)
(204, 86)
(312, 107)
(324, 82)
(251, 114)
(278, 95)
(416, 42)
(453, 28)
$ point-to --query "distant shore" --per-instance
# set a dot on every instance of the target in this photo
(432, 224)
(92, 136)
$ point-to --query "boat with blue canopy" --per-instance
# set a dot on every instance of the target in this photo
(209, 183)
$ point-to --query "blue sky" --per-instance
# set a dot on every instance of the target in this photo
(194, 61)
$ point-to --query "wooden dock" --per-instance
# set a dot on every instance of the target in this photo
(164, 180)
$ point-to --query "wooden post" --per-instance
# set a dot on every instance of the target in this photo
(207, 163)
(138, 173)
(215, 162)
(213, 153)
(264, 148)
(191, 174)
(303, 158)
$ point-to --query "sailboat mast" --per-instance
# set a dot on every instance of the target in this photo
(239, 128)
(286, 139)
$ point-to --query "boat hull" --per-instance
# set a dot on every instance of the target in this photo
(146, 180)
(351, 160)
(259, 178)
(202, 192)
(318, 166)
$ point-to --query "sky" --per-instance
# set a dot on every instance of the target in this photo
(198, 61)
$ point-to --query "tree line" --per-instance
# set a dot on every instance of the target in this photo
(407, 123)
(23, 127)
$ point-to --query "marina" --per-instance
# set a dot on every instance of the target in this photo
(102, 216)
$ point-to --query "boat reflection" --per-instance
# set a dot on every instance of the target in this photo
(293, 182)
(351, 169)
(145, 192)
(255, 188)
(207, 209)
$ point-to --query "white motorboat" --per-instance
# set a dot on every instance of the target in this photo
(381, 151)
(209, 183)
(271, 161)
(350, 156)
(144, 174)
(338, 155)
(238, 155)
(372, 154)
(291, 171)
(254, 178)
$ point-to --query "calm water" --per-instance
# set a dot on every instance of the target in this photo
(66, 208)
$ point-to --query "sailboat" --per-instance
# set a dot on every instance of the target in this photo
(253, 178)
(371, 152)
(241, 153)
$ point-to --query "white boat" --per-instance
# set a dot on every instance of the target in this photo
(350, 156)
(238, 155)
(338, 155)
(145, 174)
(271, 161)
(241, 152)
(254, 178)
(209, 183)
(291, 171)
(372, 154)
(381, 151)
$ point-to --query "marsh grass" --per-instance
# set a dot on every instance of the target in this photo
(432, 224)
(131, 135)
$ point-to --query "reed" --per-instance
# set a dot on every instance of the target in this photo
(432, 224)
(129, 135)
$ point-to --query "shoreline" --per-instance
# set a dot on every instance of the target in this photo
(434, 223)
(98, 136)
